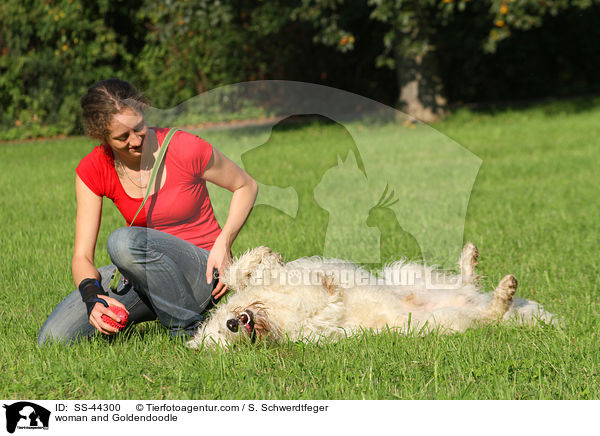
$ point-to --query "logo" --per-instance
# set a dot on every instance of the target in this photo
(361, 182)
(26, 415)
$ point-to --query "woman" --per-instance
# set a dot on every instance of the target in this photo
(168, 255)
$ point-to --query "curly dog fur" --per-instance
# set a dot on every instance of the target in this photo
(314, 299)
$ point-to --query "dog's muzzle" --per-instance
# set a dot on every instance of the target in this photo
(245, 320)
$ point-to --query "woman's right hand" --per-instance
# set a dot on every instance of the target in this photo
(99, 310)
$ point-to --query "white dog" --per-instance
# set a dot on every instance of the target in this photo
(315, 299)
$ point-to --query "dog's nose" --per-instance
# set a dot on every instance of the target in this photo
(232, 324)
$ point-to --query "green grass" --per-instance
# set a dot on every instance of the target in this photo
(533, 212)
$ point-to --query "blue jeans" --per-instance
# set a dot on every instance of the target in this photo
(167, 280)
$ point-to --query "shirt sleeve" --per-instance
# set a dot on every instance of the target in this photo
(197, 152)
(89, 172)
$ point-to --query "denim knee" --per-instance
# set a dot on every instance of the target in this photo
(67, 323)
(124, 242)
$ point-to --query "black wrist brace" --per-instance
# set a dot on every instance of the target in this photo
(90, 290)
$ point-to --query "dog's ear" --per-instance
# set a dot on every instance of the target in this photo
(262, 325)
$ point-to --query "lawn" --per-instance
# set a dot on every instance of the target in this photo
(532, 211)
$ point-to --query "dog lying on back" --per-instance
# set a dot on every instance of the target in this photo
(313, 299)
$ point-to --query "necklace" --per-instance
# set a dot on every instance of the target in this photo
(124, 171)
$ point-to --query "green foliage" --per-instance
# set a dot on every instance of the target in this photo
(411, 24)
(558, 59)
(194, 46)
(413, 30)
(51, 52)
(524, 15)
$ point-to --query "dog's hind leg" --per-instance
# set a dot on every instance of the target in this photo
(468, 262)
(503, 297)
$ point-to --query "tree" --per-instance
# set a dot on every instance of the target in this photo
(411, 30)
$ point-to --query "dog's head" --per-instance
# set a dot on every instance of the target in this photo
(248, 324)
(225, 328)
(273, 313)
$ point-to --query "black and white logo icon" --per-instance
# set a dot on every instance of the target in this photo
(26, 415)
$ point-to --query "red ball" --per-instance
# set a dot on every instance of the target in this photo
(121, 313)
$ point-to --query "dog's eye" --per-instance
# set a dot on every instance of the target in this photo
(244, 318)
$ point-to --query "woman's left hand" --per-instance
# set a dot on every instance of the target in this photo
(219, 258)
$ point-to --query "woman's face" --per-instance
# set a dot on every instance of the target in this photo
(126, 133)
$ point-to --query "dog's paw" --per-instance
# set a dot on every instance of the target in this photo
(503, 297)
(194, 343)
(506, 289)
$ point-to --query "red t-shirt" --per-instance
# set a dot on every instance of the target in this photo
(181, 207)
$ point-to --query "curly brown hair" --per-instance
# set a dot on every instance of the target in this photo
(106, 99)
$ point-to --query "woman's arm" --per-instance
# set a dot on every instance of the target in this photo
(87, 225)
(225, 173)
